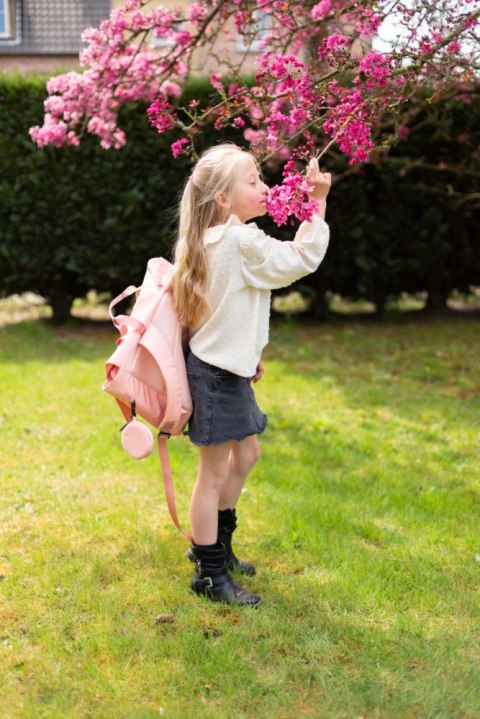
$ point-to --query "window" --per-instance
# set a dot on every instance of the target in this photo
(6, 19)
(156, 42)
(261, 25)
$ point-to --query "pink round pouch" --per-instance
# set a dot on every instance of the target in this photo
(137, 439)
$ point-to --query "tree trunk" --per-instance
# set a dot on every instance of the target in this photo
(436, 300)
(61, 303)
(318, 305)
(380, 303)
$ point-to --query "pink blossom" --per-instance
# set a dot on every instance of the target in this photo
(183, 38)
(278, 66)
(469, 23)
(454, 47)
(220, 120)
(132, 5)
(178, 147)
(321, 9)
(161, 115)
(241, 21)
(349, 123)
(368, 24)
(51, 132)
(376, 67)
(197, 12)
(291, 198)
(254, 137)
(181, 69)
(170, 88)
(215, 81)
(426, 48)
(137, 21)
(290, 108)
(332, 45)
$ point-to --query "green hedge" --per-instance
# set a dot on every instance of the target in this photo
(406, 225)
(75, 219)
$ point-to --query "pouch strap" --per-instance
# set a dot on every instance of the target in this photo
(125, 410)
(168, 482)
(166, 472)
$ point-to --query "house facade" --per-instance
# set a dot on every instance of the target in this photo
(44, 36)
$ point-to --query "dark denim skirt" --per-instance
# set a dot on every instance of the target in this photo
(224, 405)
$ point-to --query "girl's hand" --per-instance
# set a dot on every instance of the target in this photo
(321, 181)
(259, 373)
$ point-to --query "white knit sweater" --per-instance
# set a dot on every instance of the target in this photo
(244, 265)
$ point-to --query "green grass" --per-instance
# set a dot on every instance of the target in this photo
(362, 518)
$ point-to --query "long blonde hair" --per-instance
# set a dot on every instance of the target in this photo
(214, 173)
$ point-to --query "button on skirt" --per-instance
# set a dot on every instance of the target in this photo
(224, 405)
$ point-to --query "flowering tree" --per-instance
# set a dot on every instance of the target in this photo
(318, 82)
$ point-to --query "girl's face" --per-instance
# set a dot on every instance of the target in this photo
(249, 191)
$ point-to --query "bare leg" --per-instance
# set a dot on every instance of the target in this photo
(243, 455)
(213, 470)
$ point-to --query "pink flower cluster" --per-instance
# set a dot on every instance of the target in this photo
(161, 115)
(179, 147)
(291, 198)
(349, 123)
(292, 102)
(377, 68)
(118, 71)
(216, 81)
(367, 23)
(293, 105)
(334, 47)
(197, 13)
(321, 9)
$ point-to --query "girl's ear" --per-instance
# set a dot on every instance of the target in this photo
(222, 200)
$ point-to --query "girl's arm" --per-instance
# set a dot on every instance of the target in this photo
(260, 371)
(321, 183)
(268, 263)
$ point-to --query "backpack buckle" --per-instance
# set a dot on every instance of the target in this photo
(206, 582)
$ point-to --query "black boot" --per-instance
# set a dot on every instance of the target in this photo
(227, 523)
(212, 579)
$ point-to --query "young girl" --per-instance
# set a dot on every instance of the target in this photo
(225, 271)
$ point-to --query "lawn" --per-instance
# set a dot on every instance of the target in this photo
(362, 518)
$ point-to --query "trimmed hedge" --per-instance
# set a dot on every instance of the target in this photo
(405, 225)
(75, 219)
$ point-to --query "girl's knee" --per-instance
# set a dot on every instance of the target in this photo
(212, 476)
(214, 466)
(255, 454)
(247, 455)
(212, 481)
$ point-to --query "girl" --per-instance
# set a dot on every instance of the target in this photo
(225, 270)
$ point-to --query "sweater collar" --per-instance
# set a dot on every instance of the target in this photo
(213, 234)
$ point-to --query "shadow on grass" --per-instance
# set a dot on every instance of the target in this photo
(42, 339)
(93, 339)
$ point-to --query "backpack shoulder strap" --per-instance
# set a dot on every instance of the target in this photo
(168, 482)
(125, 320)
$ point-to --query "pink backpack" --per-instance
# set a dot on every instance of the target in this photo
(146, 374)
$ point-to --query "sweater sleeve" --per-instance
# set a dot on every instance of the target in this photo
(268, 264)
